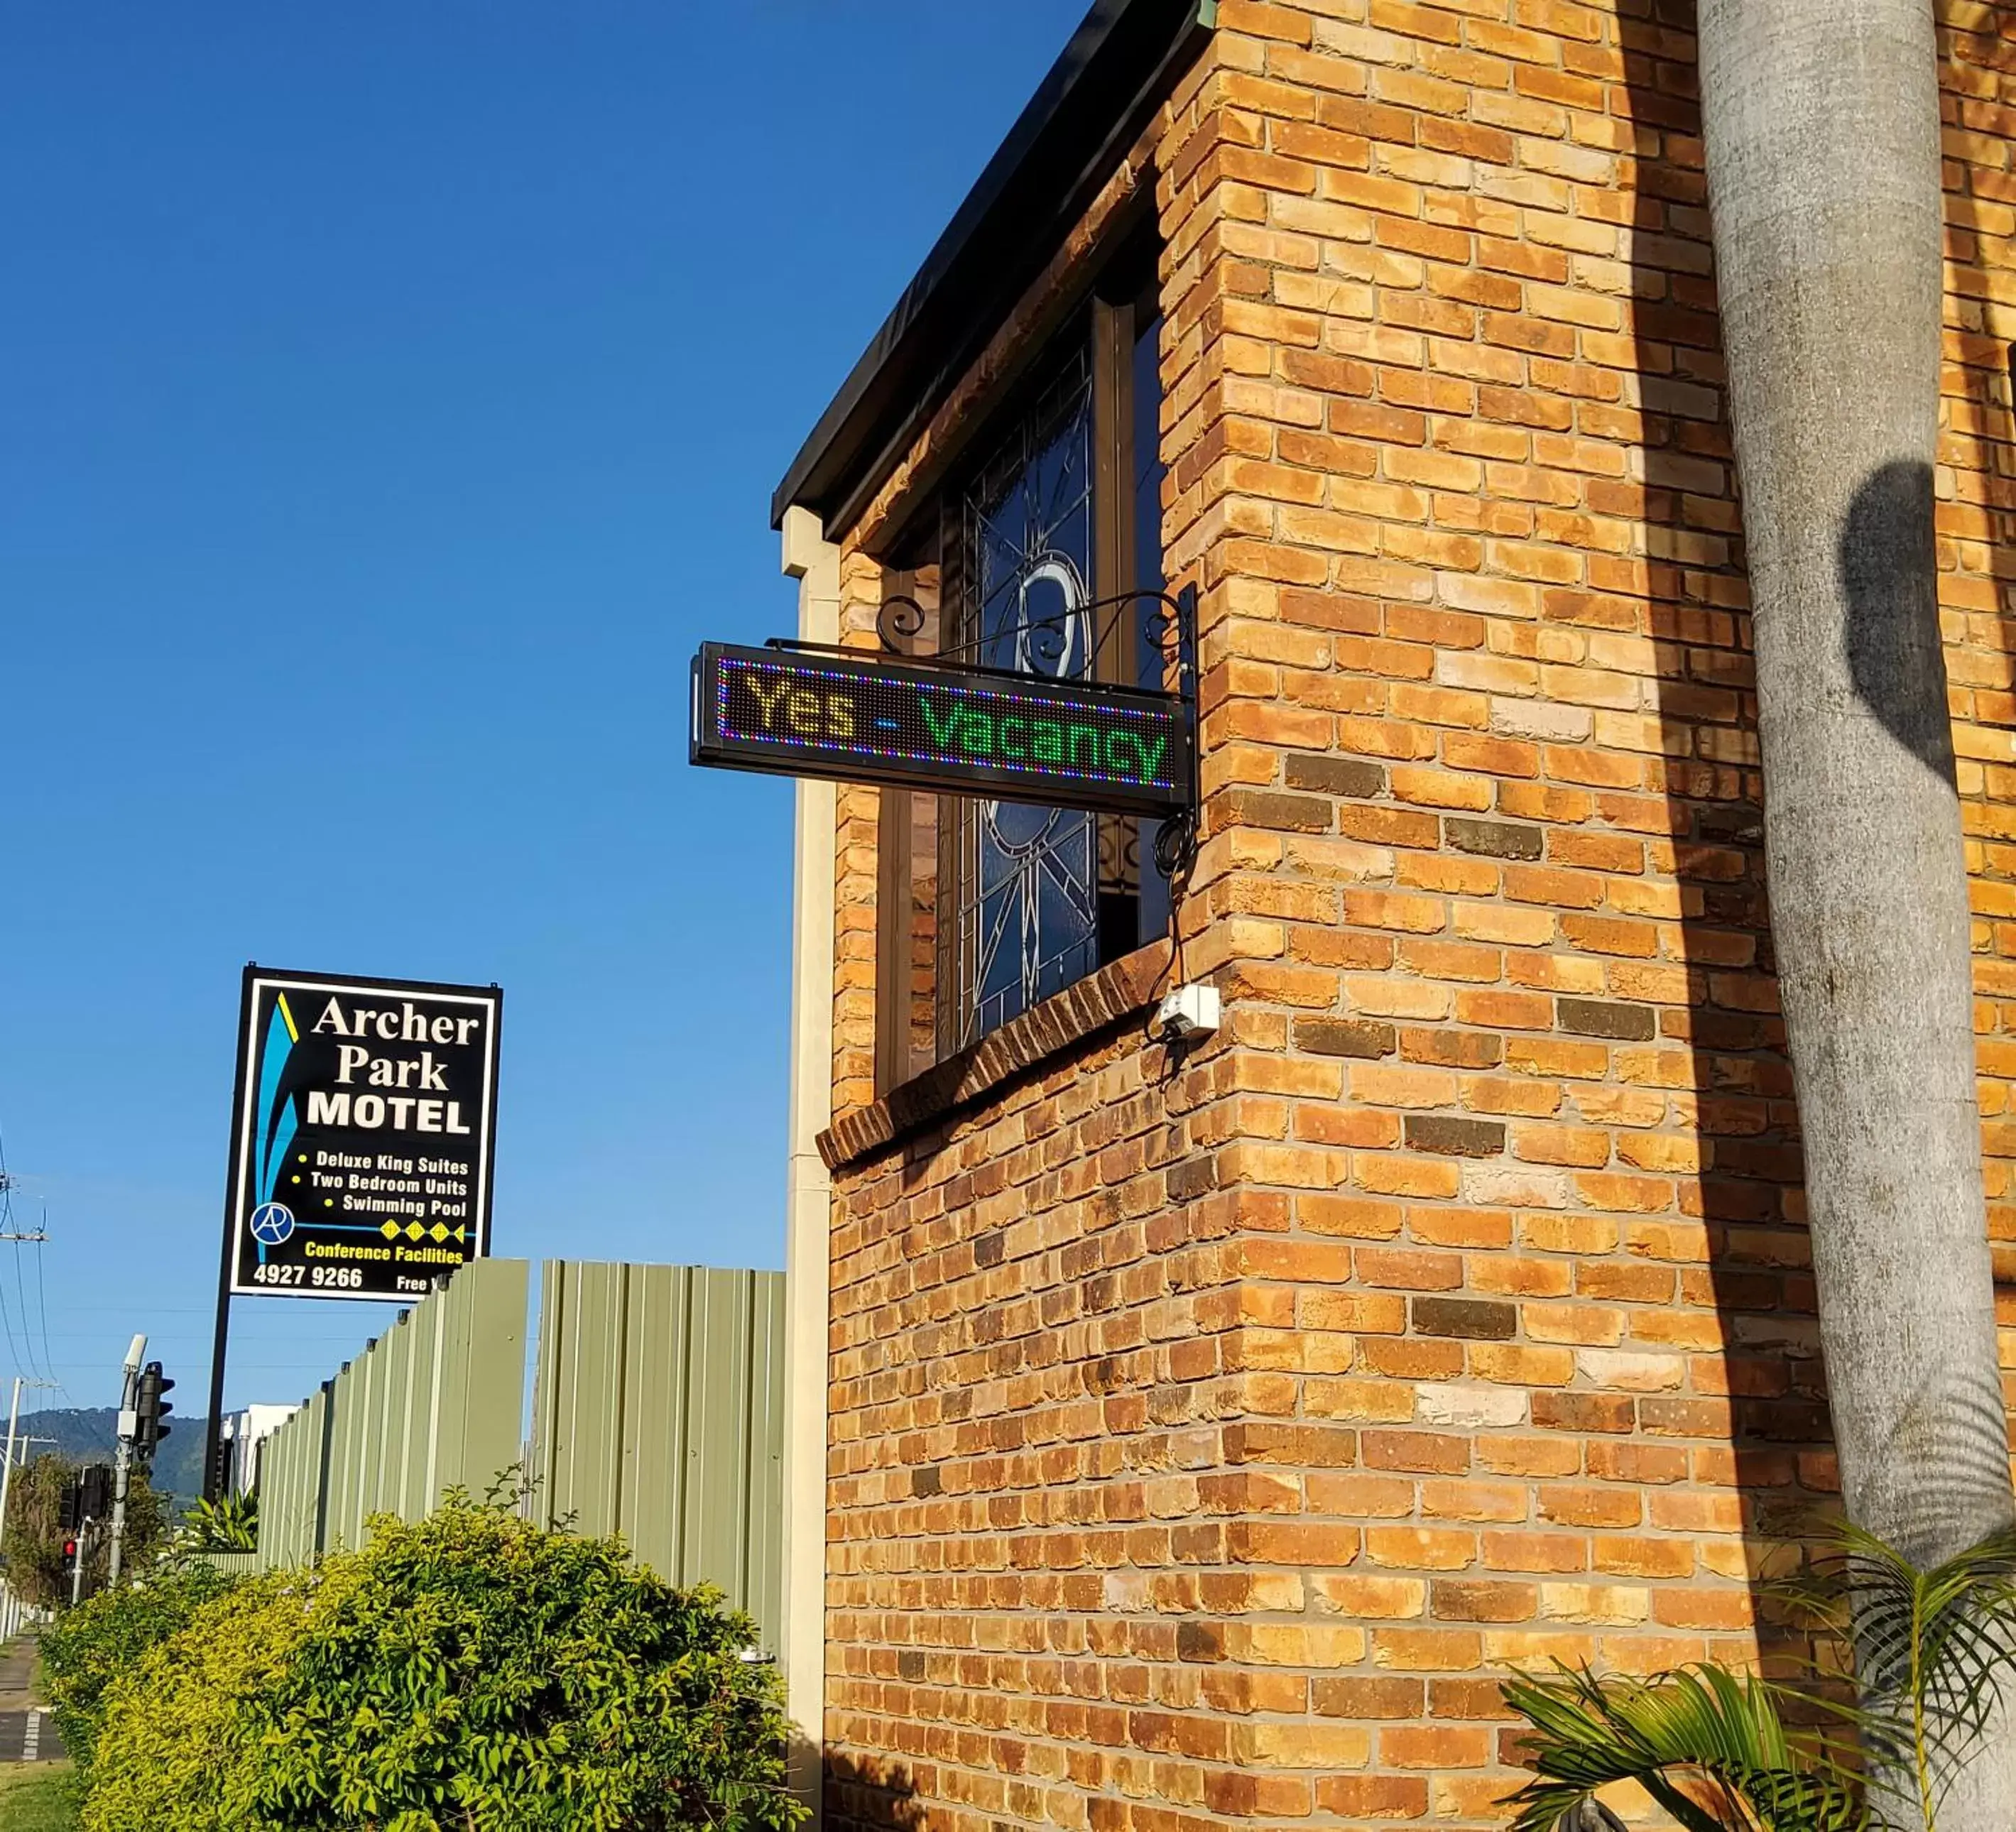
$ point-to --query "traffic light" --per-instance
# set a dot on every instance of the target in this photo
(69, 1558)
(69, 1510)
(149, 1408)
(223, 1470)
(96, 1485)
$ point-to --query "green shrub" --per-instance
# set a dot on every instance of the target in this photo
(85, 1649)
(472, 1672)
(178, 1750)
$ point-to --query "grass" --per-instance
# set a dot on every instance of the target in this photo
(38, 1797)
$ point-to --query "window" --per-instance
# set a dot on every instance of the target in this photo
(1058, 514)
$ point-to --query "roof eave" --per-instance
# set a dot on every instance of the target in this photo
(1123, 58)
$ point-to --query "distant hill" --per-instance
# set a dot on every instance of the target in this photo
(85, 1434)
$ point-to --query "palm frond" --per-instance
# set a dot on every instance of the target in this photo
(1700, 1725)
(1933, 1647)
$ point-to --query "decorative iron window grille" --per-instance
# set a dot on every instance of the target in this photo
(1033, 550)
(1024, 920)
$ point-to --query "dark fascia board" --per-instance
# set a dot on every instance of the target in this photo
(1122, 59)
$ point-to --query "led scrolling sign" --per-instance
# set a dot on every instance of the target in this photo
(937, 725)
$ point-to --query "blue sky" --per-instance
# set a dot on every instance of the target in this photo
(390, 397)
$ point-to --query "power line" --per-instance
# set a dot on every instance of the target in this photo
(7, 1324)
(7, 1230)
(44, 1369)
(10, 1232)
(21, 1297)
(43, 1300)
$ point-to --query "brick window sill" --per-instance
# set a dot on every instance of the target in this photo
(1122, 990)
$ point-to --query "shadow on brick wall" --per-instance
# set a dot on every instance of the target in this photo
(1768, 1438)
(1759, 1450)
(866, 1794)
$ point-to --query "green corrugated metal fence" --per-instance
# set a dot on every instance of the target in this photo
(658, 1412)
(436, 1403)
(233, 1564)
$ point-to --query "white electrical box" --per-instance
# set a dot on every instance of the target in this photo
(1189, 1014)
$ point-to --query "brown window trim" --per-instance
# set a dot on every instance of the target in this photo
(893, 864)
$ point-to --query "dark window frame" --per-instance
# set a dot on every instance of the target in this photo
(1106, 334)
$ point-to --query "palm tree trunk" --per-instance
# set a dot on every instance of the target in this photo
(1821, 125)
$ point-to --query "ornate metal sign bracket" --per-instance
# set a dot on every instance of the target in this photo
(1168, 620)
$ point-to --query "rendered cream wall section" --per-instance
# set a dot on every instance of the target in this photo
(815, 563)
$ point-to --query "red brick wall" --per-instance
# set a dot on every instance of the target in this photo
(1204, 1448)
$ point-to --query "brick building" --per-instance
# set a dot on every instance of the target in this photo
(1205, 1436)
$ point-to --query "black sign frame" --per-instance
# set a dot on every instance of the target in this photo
(428, 1012)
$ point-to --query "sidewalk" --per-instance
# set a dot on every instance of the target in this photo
(27, 1734)
(17, 1674)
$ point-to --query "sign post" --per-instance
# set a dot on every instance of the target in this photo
(361, 1145)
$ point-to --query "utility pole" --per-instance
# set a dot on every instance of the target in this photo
(129, 1427)
(9, 1184)
(7, 1469)
(13, 1437)
(8, 1231)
